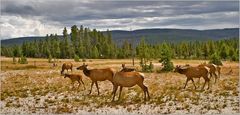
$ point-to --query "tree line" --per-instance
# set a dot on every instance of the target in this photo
(85, 43)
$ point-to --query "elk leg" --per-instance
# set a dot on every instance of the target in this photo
(204, 85)
(206, 80)
(91, 88)
(211, 75)
(148, 93)
(199, 80)
(215, 75)
(115, 87)
(219, 74)
(83, 84)
(97, 87)
(144, 90)
(186, 83)
(194, 84)
(79, 84)
(120, 92)
(208, 85)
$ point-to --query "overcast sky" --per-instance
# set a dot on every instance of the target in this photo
(40, 17)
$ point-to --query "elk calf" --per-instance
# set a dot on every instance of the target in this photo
(75, 77)
(67, 65)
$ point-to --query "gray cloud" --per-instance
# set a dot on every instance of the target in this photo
(121, 14)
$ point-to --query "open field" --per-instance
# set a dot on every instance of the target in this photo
(37, 87)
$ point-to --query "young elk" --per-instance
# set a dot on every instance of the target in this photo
(125, 69)
(75, 77)
(194, 72)
(67, 65)
(97, 75)
(213, 69)
(128, 79)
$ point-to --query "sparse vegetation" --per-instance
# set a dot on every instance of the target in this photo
(22, 60)
(215, 59)
(47, 90)
(76, 58)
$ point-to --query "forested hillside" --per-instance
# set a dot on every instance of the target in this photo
(86, 43)
(152, 36)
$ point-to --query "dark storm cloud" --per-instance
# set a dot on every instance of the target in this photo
(76, 10)
(120, 14)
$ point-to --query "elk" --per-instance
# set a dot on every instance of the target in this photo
(194, 72)
(125, 69)
(97, 75)
(128, 79)
(213, 69)
(75, 77)
(67, 65)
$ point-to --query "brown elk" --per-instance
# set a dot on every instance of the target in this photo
(126, 69)
(75, 77)
(194, 72)
(129, 79)
(213, 69)
(97, 75)
(67, 65)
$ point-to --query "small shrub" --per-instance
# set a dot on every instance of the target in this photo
(147, 68)
(22, 60)
(50, 59)
(215, 59)
(76, 58)
(84, 60)
(235, 57)
(14, 60)
(168, 66)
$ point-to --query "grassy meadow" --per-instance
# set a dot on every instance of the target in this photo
(38, 87)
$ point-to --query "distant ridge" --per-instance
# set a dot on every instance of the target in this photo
(152, 35)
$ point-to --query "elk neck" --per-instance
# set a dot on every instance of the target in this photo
(182, 71)
(86, 72)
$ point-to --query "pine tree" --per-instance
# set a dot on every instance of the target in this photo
(126, 48)
(166, 58)
(95, 53)
(235, 57)
(184, 50)
(211, 47)
(50, 58)
(205, 50)
(231, 52)
(223, 51)
(142, 52)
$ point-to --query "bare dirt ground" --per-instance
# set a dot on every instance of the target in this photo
(38, 88)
